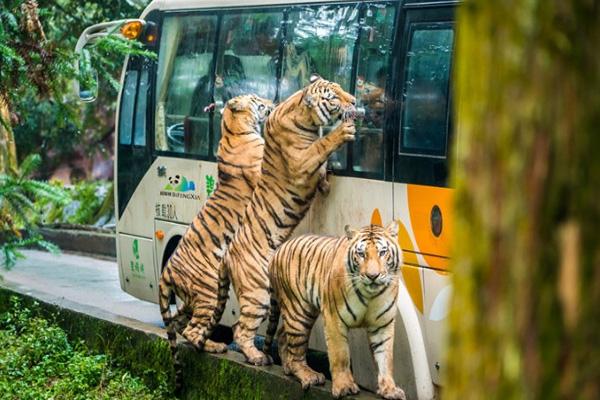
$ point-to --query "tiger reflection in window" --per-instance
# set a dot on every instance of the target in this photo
(371, 95)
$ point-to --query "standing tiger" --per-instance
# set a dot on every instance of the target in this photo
(353, 282)
(293, 168)
(191, 272)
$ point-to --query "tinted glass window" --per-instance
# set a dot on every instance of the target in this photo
(184, 84)
(425, 114)
(320, 40)
(127, 105)
(248, 55)
(371, 83)
(139, 138)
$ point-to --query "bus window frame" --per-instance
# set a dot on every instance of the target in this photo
(130, 152)
(223, 12)
(394, 84)
(442, 13)
(219, 12)
(136, 64)
(160, 20)
(130, 68)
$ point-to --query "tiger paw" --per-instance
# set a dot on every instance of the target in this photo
(324, 185)
(258, 358)
(345, 132)
(215, 347)
(391, 391)
(308, 378)
(344, 387)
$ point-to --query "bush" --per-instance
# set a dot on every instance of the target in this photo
(37, 361)
(90, 203)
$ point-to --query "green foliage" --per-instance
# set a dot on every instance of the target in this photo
(17, 204)
(37, 361)
(88, 201)
(107, 48)
(17, 192)
(23, 52)
(37, 74)
(53, 129)
(10, 248)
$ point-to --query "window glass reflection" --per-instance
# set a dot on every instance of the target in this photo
(139, 138)
(183, 84)
(371, 83)
(320, 40)
(247, 63)
(425, 116)
(127, 105)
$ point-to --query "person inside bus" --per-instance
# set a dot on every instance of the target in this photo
(228, 84)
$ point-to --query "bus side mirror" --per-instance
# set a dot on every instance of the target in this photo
(87, 79)
(86, 86)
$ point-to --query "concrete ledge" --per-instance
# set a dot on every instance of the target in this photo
(82, 241)
(144, 350)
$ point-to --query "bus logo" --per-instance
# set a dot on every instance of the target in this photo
(137, 267)
(179, 186)
(179, 183)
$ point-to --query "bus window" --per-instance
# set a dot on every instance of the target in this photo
(139, 137)
(371, 83)
(184, 84)
(320, 40)
(247, 62)
(127, 105)
(425, 116)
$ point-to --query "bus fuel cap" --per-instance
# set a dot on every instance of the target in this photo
(436, 221)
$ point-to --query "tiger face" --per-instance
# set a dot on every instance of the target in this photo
(250, 106)
(374, 258)
(327, 101)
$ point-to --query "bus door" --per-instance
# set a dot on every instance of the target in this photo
(422, 199)
(133, 159)
(133, 152)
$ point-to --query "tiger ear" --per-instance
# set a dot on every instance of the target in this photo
(235, 104)
(392, 229)
(314, 77)
(350, 233)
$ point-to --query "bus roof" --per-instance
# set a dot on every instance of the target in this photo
(195, 4)
(198, 4)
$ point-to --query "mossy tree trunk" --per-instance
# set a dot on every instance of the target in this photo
(8, 149)
(525, 319)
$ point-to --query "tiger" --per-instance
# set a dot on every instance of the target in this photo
(191, 271)
(352, 281)
(294, 167)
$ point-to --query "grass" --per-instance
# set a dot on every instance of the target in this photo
(37, 361)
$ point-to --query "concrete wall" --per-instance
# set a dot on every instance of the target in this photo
(144, 350)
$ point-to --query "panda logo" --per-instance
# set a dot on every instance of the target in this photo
(174, 180)
(179, 183)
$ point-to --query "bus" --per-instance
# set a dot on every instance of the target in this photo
(396, 57)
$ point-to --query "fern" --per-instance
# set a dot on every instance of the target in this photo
(18, 212)
(11, 249)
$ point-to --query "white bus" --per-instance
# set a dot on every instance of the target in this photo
(395, 56)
